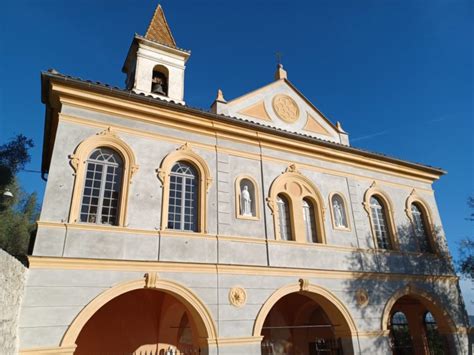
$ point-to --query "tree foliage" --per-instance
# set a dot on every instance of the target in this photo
(18, 217)
(18, 214)
(13, 157)
(466, 248)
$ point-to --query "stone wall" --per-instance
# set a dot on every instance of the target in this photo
(12, 283)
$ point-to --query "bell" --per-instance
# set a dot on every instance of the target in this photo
(157, 88)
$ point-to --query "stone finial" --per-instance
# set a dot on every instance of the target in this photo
(280, 73)
(339, 127)
(220, 96)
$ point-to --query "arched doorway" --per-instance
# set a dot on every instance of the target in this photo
(150, 316)
(310, 321)
(416, 326)
(139, 322)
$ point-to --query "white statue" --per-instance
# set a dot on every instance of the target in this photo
(338, 214)
(245, 202)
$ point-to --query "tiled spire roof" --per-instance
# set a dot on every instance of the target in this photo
(158, 29)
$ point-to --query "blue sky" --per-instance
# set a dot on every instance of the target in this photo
(397, 74)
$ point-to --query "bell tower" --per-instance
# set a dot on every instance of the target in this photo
(154, 64)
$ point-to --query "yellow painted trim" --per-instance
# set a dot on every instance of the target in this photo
(443, 319)
(199, 312)
(346, 211)
(185, 153)
(153, 114)
(296, 187)
(310, 290)
(256, 110)
(427, 218)
(247, 155)
(57, 350)
(239, 341)
(256, 196)
(109, 139)
(375, 190)
(43, 262)
(312, 125)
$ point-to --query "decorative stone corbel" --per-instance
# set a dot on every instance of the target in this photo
(74, 161)
(271, 204)
(304, 284)
(292, 168)
(151, 279)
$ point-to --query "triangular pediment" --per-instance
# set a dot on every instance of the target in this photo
(282, 106)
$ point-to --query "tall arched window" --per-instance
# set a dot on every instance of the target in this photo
(284, 218)
(183, 197)
(400, 334)
(433, 338)
(419, 225)
(379, 221)
(309, 221)
(101, 194)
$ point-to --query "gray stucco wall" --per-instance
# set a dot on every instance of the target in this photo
(54, 297)
(12, 283)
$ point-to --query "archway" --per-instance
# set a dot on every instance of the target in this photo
(141, 317)
(418, 325)
(305, 319)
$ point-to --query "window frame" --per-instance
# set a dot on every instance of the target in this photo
(346, 211)
(296, 187)
(78, 160)
(414, 198)
(185, 153)
(103, 181)
(374, 190)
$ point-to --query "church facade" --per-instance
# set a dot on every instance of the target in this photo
(252, 228)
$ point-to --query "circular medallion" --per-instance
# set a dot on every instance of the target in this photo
(286, 108)
(237, 296)
(362, 297)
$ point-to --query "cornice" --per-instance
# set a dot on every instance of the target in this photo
(88, 94)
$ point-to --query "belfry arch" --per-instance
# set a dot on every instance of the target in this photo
(184, 315)
(300, 317)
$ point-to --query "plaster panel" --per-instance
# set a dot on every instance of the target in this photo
(49, 296)
(32, 337)
(194, 249)
(242, 253)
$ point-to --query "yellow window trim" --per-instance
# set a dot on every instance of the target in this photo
(296, 187)
(185, 153)
(375, 190)
(427, 217)
(78, 160)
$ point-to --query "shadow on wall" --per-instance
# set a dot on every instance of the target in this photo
(379, 290)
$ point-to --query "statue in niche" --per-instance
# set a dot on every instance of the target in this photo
(245, 202)
(339, 218)
(158, 83)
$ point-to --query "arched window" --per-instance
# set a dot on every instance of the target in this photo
(309, 221)
(338, 211)
(284, 218)
(183, 197)
(400, 334)
(380, 225)
(419, 225)
(434, 340)
(102, 187)
(303, 207)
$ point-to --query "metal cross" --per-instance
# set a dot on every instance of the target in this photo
(278, 56)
